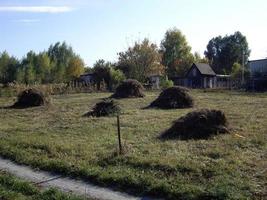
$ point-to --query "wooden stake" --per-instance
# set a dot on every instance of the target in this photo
(119, 133)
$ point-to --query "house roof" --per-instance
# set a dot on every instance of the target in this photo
(204, 69)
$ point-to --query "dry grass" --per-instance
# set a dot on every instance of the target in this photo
(58, 138)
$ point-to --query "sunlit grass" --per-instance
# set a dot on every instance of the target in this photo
(58, 138)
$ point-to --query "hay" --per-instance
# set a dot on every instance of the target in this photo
(129, 89)
(30, 98)
(173, 97)
(104, 108)
(199, 124)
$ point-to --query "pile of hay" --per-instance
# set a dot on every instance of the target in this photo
(106, 107)
(129, 89)
(173, 97)
(30, 98)
(199, 124)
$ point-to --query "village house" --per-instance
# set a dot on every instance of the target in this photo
(201, 75)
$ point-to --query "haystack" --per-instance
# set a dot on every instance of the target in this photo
(106, 107)
(30, 98)
(200, 124)
(129, 89)
(173, 97)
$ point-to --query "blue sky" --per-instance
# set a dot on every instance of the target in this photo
(101, 28)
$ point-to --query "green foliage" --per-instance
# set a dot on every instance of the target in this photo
(236, 71)
(177, 56)
(199, 59)
(102, 73)
(56, 65)
(223, 52)
(166, 83)
(117, 77)
(12, 188)
(8, 67)
(140, 61)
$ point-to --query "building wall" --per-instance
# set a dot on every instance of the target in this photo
(258, 66)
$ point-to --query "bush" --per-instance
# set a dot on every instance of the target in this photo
(173, 97)
(199, 124)
(30, 98)
(165, 83)
(117, 77)
(104, 108)
(129, 88)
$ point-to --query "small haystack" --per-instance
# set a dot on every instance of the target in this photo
(173, 97)
(30, 98)
(106, 107)
(129, 89)
(199, 124)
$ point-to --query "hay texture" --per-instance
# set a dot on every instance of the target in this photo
(30, 98)
(200, 124)
(129, 89)
(172, 98)
(104, 108)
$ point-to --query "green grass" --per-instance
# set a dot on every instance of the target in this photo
(59, 139)
(12, 188)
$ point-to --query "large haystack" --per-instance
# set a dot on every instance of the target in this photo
(30, 98)
(129, 89)
(199, 124)
(104, 108)
(173, 97)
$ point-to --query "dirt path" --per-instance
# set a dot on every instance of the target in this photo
(81, 188)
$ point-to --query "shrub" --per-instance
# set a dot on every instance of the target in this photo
(165, 83)
(104, 108)
(30, 98)
(173, 97)
(129, 88)
(117, 77)
(199, 124)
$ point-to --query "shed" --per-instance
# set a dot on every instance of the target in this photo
(200, 75)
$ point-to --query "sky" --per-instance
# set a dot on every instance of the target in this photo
(100, 29)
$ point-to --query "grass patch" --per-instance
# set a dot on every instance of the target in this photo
(12, 188)
(58, 138)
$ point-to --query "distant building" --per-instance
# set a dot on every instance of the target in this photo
(258, 75)
(154, 80)
(87, 78)
(201, 75)
(258, 68)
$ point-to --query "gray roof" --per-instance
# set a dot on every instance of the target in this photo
(205, 69)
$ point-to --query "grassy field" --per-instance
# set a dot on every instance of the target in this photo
(12, 188)
(58, 138)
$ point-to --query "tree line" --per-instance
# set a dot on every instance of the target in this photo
(172, 58)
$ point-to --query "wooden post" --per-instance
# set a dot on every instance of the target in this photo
(119, 133)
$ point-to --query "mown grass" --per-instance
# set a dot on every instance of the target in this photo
(12, 188)
(58, 138)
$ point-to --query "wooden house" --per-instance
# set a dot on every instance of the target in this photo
(200, 75)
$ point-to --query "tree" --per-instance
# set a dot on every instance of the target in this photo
(60, 55)
(75, 67)
(43, 67)
(8, 67)
(101, 72)
(141, 60)
(177, 56)
(223, 52)
(199, 59)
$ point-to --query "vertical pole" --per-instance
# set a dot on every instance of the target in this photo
(243, 67)
(119, 133)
